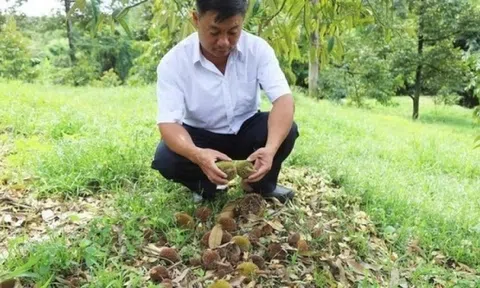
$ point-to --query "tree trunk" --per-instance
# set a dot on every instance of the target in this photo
(313, 65)
(69, 33)
(418, 74)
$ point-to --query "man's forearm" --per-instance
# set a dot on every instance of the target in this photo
(178, 140)
(280, 121)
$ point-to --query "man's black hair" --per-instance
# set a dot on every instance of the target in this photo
(224, 8)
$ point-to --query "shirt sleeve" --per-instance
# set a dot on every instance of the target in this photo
(270, 74)
(170, 97)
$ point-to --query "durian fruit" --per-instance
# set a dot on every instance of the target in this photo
(250, 204)
(203, 213)
(195, 261)
(267, 229)
(159, 273)
(234, 253)
(169, 254)
(184, 220)
(247, 269)
(209, 259)
(220, 284)
(228, 224)
(276, 251)
(242, 242)
(244, 168)
(228, 167)
(223, 269)
(302, 246)
(258, 260)
(293, 239)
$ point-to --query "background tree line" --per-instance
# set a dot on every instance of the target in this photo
(341, 49)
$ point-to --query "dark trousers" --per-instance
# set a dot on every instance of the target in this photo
(252, 136)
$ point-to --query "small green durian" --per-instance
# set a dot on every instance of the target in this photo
(244, 168)
(228, 167)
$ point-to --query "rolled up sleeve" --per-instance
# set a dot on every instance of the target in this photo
(170, 97)
(270, 74)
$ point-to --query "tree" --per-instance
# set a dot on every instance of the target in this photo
(436, 24)
(15, 60)
(285, 24)
(67, 5)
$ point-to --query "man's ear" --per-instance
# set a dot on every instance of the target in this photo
(195, 18)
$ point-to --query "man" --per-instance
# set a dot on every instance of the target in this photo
(208, 106)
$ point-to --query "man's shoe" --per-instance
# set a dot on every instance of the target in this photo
(282, 193)
(197, 197)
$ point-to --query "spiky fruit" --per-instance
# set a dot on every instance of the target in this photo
(184, 220)
(228, 224)
(244, 168)
(195, 261)
(203, 213)
(293, 239)
(228, 167)
(159, 273)
(257, 232)
(302, 246)
(251, 204)
(234, 253)
(209, 259)
(220, 284)
(267, 229)
(254, 240)
(223, 269)
(242, 242)
(169, 254)
(258, 260)
(275, 251)
(247, 269)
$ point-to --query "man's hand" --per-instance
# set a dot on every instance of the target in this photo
(205, 159)
(263, 159)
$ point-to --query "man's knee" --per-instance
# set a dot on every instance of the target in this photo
(164, 161)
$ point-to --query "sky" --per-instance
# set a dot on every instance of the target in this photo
(34, 7)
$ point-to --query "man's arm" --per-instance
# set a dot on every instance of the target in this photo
(178, 140)
(280, 121)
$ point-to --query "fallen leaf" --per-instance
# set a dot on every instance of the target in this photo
(276, 225)
(47, 215)
(237, 281)
(343, 279)
(181, 276)
(357, 267)
(215, 238)
(394, 277)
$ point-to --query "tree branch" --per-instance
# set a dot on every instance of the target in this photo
(271, 18)
(137, 4)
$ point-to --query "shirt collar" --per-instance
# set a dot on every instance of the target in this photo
(239, 49)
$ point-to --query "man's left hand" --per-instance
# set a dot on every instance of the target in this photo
(263, 159)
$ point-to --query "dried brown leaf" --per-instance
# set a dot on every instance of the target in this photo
(215, 238)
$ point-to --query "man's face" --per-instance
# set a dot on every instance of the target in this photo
(218, 38)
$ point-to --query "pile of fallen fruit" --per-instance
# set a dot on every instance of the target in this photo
(319, 238)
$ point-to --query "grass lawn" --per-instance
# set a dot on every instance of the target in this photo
(418, 180)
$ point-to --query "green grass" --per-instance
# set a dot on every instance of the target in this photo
(417, 179)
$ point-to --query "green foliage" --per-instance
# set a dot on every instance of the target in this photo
(15, 58)
(109, 79)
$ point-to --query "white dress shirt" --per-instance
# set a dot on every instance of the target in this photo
(191, 90)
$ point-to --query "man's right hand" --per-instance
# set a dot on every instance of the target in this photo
(205, 159)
